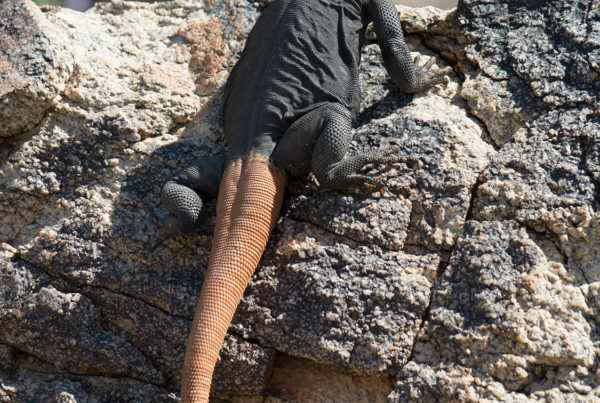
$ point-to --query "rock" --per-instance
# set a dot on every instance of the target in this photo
(29, 385)
(503, 322)
(302, 380)
(382, 221)
(442, 148)
(545, 179)
(141, 342)
(552, 48)
(473, 276)
(339, 303)
(35, 305)
(529, 59)
(34, 67)
(243, 368)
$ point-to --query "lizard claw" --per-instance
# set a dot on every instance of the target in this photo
(429, 63)
(168, 228)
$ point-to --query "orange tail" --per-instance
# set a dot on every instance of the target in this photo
(250, 197)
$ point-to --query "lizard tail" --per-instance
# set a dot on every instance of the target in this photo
(250, 198)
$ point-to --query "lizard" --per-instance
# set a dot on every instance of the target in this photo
(289, 105)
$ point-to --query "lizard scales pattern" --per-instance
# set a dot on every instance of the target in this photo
(289, 106)
(249, 201)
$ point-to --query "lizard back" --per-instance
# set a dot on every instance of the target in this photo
(299, 55)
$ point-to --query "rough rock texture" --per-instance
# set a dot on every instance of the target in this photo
(503, 323)
(33, 66)
(532, 56)
(359, 308)
(476, 275)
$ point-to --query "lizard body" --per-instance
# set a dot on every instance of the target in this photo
(289, 106)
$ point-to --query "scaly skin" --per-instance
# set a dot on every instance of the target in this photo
(290, 104)
(248, 206)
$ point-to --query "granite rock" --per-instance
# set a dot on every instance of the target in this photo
(474, 275)
(545, 179)
(337, 302)
(505, 323)
(34, 66)
(530, 57)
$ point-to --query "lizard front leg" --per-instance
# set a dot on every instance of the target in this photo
(406, 73)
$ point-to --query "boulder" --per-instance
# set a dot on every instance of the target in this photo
(474, 276)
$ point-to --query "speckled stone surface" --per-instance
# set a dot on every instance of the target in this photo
(342, 303)
(34, 67)
(474, 276)
(505, 323)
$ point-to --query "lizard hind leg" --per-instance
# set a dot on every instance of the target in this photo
(181, 196)
(329, 163)
(294, 150)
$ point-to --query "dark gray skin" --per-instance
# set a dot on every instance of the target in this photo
(294, 96)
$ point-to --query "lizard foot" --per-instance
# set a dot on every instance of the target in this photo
(167, 228)
(345, 173)
(427, 78)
